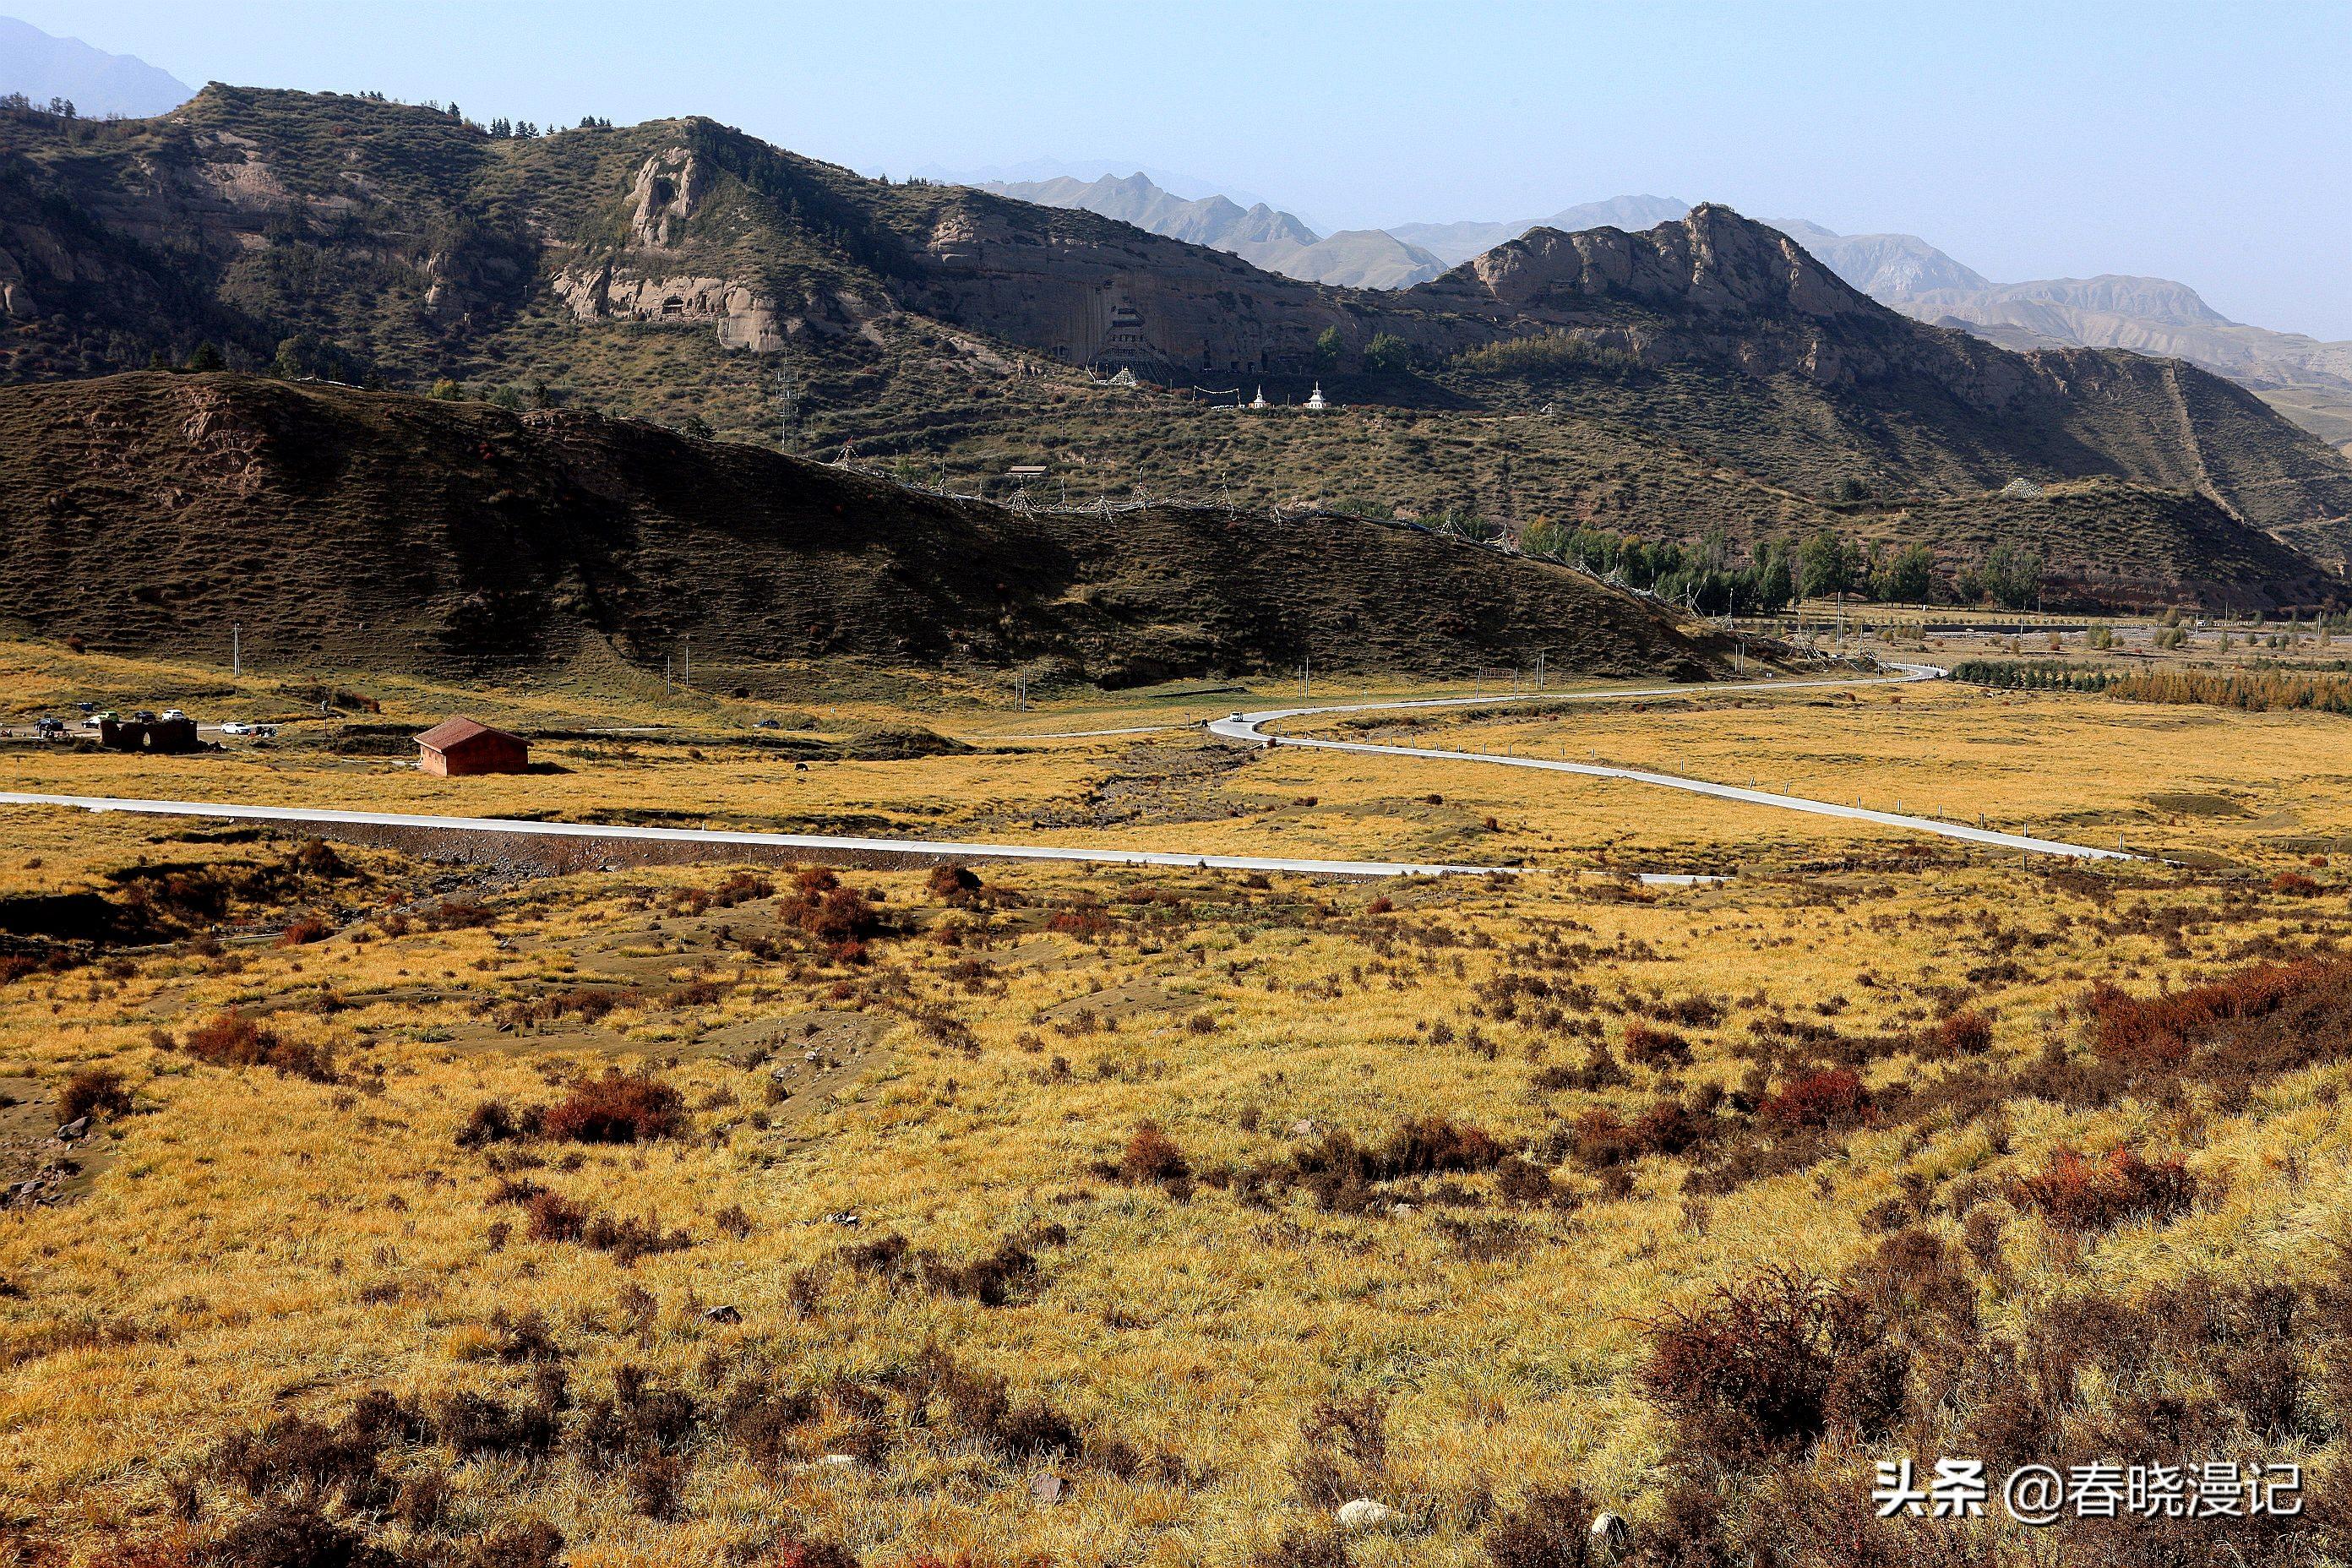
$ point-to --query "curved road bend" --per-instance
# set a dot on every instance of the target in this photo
(1248, 727)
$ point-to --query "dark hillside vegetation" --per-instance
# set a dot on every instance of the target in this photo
(146, 512)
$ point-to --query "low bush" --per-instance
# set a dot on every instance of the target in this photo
(630, 1239)
(1152, 1156)
(496, 1121)
(1968, 1033)
(296, 1536)
(2077, 1192)
(617, 1109)
(305, 931)
(94, 1092)
(1771, 1364)
(554, 1217)
(1655, 1048)
(2166, 1028)
(233, 1039)
(952, 884)
(477, 1426)
(1832, 1098)
(1550, 1530)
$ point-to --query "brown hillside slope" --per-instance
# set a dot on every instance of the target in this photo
(146, 512)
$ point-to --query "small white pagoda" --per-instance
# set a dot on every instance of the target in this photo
(1259, 401)
(1315, 404)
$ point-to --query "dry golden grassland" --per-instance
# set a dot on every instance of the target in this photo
(1258, 1194)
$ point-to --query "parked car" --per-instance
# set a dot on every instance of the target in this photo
(173, 713)
(246, 727)
(104, 716)
(144, 716)
(46, 728)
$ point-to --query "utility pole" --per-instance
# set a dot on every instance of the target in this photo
(686, 677)
(788, 400)
(1020, 692)
(1307, 675)
(666, 688)
(1539, 671)
(236, 648)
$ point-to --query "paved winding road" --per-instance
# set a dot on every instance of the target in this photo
(1250, 727)
(1241, 726)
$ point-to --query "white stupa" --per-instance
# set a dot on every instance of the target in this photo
(1315, 404)
(1259, 401)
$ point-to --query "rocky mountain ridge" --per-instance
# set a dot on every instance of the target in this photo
(672, 268)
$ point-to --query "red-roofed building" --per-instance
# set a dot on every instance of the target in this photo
(456, 746)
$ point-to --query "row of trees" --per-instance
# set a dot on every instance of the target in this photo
(63, 108)
(2251, 691)
(1777, 570)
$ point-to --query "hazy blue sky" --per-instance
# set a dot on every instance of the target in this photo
(2207, 143)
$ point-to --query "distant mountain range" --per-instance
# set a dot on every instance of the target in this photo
(44, 67)
(1456, 243)
(1277, 241)
(2308, 381)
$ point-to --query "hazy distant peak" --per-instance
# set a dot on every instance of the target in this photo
(43, 65)
(2149, 299)
(1888, 268)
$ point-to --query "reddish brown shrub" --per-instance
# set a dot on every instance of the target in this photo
(2077, 1192)
(1833, 1097)
(630, 1239)
(740, 887)
(232, 1039)
(1667, 1127)
(1550, 1530)
(554, 1217)
(810, 1554)
(618, 1109)
(2294, 883)
(843, 915)
(1654, 1048)
(954, 884)
(496, 1121)
(528, 1543)
(1381, 906)
(1601, 1140)
(1771, 1364)
(1152, 1156)
(287, 1534)
(308, 929)
(229, 1039)
(1433, 1143)
(94, 1092)
(2163, 1029)
(1968, 1033)
(1081, 919)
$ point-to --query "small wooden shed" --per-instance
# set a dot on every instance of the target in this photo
(458, 745)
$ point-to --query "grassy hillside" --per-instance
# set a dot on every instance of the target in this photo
(382, 530)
